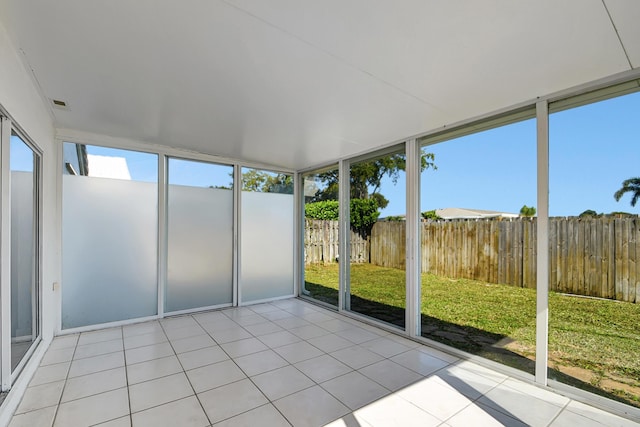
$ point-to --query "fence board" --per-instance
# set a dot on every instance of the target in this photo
(555, 270)
(595, 259)
(605, 277)
(625, 265)
(528, 257)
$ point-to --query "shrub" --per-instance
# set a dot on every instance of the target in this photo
(589, 213)
(394, 218)
(364, 212)
(527, 211)
(326, 210)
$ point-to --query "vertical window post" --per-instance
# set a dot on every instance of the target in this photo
(344, 250)
(413, 226)
(5, 250)
(542, 273)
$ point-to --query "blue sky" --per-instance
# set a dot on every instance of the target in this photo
(592, 149)
(185, 172)
(21, 155)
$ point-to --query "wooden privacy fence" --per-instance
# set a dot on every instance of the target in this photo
(597, 257)
(490, 251)
(321, 243)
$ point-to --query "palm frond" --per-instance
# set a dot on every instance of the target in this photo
(631, 185)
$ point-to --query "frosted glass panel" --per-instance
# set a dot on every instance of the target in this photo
(267, 245)
(24, 268)
(200, 235)
(22, 251)
(109, 250)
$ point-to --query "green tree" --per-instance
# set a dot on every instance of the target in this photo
(363, 213)
(366, 177)
(432, 215)
(631, 185)
(527, 211)
(280, 183)
(267, 182)
(253, 180)
(589, 213)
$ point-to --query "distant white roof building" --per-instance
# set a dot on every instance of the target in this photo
(461, 213)
(108, 167)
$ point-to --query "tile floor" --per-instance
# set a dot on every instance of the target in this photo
(277, 364)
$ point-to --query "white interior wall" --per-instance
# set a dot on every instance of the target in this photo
(21, 99)
(19, 96)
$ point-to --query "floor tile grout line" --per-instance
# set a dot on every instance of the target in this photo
(269, 403)
(289, 394)
(55, 415)
(49, 381)
(146, 345)
(389, 392)
(214, 340)
(100, 342)
(564, 407)
(473, 402)
(126, 377)
(92, 395)
(100, 354)
(477, 402)
(425, 410)
(531, 396)
(195, 394)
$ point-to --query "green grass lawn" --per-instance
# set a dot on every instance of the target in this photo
(593, 344)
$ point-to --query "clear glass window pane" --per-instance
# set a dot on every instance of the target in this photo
(24, 268)
(321, 275)
(478, 244)
(594, 246)
(200, 235)
(109, 235)
(377, 286)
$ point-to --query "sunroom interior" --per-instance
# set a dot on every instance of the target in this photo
(256, 185)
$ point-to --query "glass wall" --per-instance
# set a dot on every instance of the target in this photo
(24, 249)
(321, 211)
(200, 235)
(109, 235)
(267, 224)
(478, 243)
(594, 242)
(377, 284)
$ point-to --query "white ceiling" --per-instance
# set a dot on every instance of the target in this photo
(297, 83)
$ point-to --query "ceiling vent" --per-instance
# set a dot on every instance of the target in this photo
(60, 105)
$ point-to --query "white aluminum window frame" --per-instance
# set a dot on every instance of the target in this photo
(7, 126)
